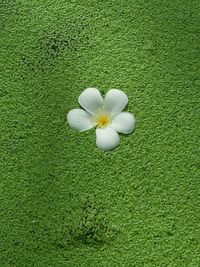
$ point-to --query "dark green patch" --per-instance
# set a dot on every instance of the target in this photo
(54, 44)
(93, 227)
(54, 47)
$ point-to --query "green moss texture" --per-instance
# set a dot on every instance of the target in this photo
(63, 201)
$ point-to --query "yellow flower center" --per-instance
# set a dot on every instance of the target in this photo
(103, 120)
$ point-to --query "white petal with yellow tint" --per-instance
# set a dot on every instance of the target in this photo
(115, 101)
(107, 138)
(91, 100)
(79, 119)
(124, 123)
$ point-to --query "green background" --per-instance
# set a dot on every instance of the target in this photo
(63, 202)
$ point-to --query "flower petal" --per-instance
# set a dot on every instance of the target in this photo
(124, 123)
(107, 138)
(91, 100)
(79, 119)
(115, 101)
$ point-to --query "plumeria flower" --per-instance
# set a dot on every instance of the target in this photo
(104, 114)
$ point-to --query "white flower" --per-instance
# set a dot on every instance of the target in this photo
(106, 114)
